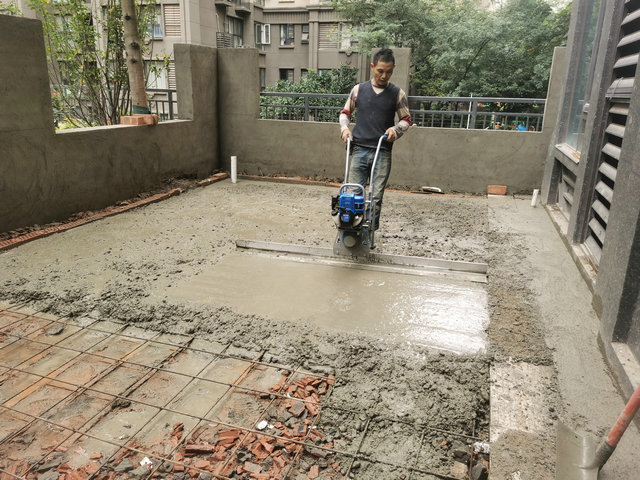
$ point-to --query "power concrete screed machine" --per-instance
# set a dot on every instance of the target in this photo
(354, 212)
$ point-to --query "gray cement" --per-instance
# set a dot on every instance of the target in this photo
(123, 268)
(47, 176)
(434, 310)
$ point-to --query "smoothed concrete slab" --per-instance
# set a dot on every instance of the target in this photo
(445, 313)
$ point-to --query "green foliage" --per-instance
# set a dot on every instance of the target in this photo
(461, 49)
(10, 8)
(85, 51)
(335, 81)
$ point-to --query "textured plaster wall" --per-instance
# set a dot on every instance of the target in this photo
(46, 176)
(452, 159)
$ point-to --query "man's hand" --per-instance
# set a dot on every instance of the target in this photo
(391, 135)
(346, 133)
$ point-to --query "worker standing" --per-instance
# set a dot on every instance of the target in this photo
(377, 102)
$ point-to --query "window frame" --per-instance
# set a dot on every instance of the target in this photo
(287, 35)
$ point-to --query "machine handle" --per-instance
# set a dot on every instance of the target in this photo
(346, 169)
(372, 204)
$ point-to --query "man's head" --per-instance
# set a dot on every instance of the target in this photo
(382, 67)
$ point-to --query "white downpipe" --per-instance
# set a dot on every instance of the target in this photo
(534, 199)
(234, 169)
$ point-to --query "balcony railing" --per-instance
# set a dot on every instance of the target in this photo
(523, 114)
(164, 103)
(440, 112)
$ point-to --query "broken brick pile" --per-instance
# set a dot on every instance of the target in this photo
(287, 439)
(237, 453)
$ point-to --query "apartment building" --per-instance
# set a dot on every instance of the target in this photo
(291, 35)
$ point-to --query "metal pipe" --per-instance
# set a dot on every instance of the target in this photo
(372, 204)
(346, 169)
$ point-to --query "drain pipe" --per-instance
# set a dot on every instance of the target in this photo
(534, 199)
(234, 169)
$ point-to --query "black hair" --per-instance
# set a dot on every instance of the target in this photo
(384, 55)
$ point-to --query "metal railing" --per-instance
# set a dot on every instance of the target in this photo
(440, 112)
(164, 103)
(523, 114)
(313, 107)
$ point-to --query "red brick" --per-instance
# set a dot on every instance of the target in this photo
(139, 119)
(202, 464)
(314, 472)
(251, 468)
(297, 409)
(496, 189)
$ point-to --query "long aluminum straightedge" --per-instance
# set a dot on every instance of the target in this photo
(475, 272)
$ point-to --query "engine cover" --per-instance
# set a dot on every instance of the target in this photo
(349, 209)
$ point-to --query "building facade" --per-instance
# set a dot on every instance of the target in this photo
(292, 36)
(592, 178)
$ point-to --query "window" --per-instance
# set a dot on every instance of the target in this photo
(304, 38)
(346, 34)
(155, 30)
(263, 79)
(172, 26)
(328, 36)
(171, 75)
(156, 74)
(286, 74)
(304, 72)
(286, 35)
(263, 35)
(258, 36)
(234, 26)
(579, 106)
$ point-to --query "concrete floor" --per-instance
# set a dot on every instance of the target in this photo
(590, 401)
(443, 310)
(553, 372)
(90, 395)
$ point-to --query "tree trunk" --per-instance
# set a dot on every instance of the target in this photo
(135, 64)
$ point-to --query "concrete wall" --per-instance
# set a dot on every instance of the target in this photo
(46, 176)
(452, 159)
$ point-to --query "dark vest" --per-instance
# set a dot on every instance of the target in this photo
(374, 114)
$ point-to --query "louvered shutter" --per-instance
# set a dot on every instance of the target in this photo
(618, 95)
(172, 26)
(327, 35)
(171, 76)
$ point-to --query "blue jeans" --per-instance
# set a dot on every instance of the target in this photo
(360, 171)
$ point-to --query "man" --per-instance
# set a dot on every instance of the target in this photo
(377, 102)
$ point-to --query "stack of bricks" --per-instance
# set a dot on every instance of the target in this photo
(139, 119)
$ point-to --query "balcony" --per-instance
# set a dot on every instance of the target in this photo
(242, 7)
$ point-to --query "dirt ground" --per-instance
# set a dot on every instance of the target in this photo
(116, 269)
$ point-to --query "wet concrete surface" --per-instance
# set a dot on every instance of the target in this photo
(437, 311)
(122, 270)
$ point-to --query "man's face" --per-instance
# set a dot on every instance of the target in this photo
(382, 72)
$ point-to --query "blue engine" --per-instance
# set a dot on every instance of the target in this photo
(349, 209)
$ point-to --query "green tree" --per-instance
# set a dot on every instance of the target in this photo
(459, 48)
(335, 81)
(10, 8)
(86, 55)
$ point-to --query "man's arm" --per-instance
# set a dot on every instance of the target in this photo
(404, 115)
(346, 113)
